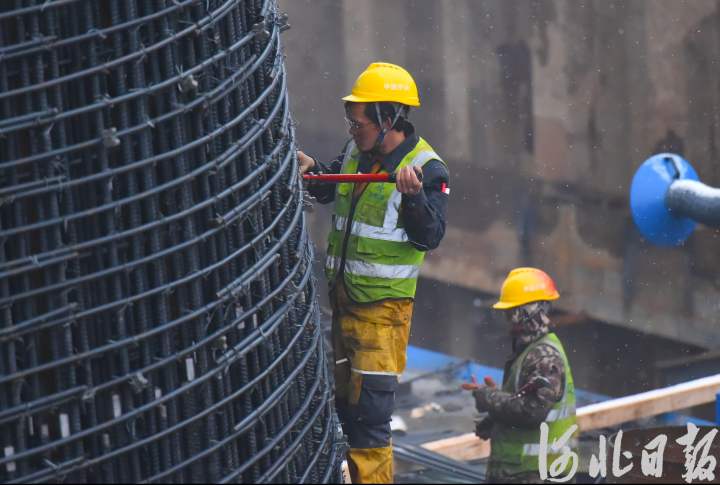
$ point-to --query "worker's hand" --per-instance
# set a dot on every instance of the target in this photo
(489, 381)
(471, 386)
(408, 181)
(305, 162)
(484, 428)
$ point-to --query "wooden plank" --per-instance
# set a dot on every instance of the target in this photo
(465, 447)
(651, 403)
(601, 415)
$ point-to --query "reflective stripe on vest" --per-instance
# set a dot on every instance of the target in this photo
(393, 212)
(558, 414)
(534, 450)
(374, 270)
(371, 232)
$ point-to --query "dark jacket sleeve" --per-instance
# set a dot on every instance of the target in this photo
(531, 409)
(424, 214)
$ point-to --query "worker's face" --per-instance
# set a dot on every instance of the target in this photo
(362, 129)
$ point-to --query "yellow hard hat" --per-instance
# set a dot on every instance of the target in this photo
(526, 285)
(382, 81)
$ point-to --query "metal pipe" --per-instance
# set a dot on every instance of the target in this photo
(694, 200)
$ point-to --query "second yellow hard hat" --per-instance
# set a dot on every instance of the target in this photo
(383, 81)
(526, 285)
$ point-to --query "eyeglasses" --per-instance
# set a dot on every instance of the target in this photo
(355, 125)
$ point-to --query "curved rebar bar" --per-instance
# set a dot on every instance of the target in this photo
(158, 314)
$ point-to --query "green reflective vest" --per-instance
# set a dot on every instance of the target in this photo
(379, 262)
(516, 450)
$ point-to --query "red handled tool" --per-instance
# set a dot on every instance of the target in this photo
(338, 178)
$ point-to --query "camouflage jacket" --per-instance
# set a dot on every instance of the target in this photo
(530, 409)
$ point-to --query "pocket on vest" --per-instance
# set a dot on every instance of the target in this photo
(375, 249)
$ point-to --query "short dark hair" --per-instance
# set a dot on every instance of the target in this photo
(387, 112)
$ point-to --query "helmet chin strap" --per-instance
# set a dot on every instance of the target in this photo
(383, 131)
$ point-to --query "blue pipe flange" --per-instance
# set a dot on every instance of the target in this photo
(647, 199)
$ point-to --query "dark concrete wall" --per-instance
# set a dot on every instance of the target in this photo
(543, 110)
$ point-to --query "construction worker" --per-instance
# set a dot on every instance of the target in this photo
(537, 383)
(377, 243)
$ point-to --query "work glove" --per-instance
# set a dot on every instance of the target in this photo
(483, 427)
